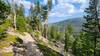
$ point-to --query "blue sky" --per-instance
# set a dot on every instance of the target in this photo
(62, 9)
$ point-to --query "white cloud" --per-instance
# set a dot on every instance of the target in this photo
(26, 4)
(84, 4)
(62, 9)
(66, 8)
(58, 14)
(45, 2)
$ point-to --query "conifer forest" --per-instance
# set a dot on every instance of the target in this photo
(49, 27)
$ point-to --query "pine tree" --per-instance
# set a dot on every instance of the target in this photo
(91, 27)
(45, 11)
(20, 10)
(35, 15)
(82, 46)
(4, 10)
(20, 18)
(68, 37)
(52, 33)
(14, 7)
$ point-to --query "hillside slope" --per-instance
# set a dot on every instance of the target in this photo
(75, 22)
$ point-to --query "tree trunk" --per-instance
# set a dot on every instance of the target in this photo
(14, 14)
(46, 28)
(14, 21)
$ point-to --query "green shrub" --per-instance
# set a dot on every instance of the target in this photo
(47, 51)
(3, 27)
(7, 54)
(6, 42)
(36, 33)
(21, 24)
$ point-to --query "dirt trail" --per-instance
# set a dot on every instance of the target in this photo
(29, 42)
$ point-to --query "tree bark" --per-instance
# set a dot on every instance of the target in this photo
(15, 21)
(46, 28)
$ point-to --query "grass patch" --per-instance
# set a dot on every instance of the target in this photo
(6, 42)
(47, 51)
(7, 54)
(5, 25)
(10, 38)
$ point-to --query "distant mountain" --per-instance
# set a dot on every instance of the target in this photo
(75, 22)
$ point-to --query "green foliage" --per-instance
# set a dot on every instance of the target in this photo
(20, 19)
(81, 45)
(3, 27)
(35, 17)
(36, 23)
(8, 40)
(21, 23)
(68, 37)
(4, 10)
(36, 33)
(54, 34)
(59, 36)
(47, 51)
(7, 54)
(92, 25)
(20, 10)
(28, 26)
(98, 52)
(49, 5)
(5, 42)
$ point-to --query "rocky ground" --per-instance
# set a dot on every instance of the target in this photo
(29, 46)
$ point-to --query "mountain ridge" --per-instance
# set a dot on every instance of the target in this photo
(75, 22)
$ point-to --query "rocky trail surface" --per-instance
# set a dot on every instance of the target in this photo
(29, 42)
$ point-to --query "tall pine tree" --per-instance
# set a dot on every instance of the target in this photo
(91, 27)
(20, 19)
(68, 37)
(35, 14)
(4, 10)
(45, 11)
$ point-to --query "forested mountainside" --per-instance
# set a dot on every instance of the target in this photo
(75, 22)
(22, 36)
(31, 36)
